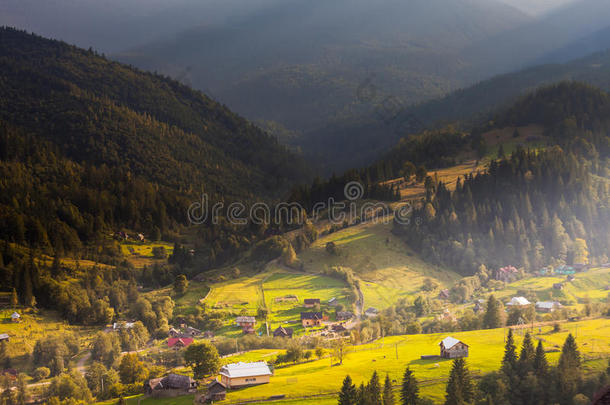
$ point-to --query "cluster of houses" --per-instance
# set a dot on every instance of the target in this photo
(562, 270)
(120, 235)
(541, 306)
(236, 375)
(308, 319)
(184, 336)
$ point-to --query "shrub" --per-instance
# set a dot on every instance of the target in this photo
(41, 373)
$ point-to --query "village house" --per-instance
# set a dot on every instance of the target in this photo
(122, 325)
(246, 323)
(564, 270)
(547, 306)
(179, 342)
(443, 294)
(452, 348)
(283, 332)
(371, 312)
(311, 302)
(4, 337)
(506, 274)
(479, 306)
(172, 385)
(338, 328)
(15, 317)
(215, 391)
(311, 319)
(243, 374)
(518, 302)
(333, 302)
(558, 286)
(344, 315)
(570, 278)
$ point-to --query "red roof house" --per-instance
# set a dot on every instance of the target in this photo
(179, 342)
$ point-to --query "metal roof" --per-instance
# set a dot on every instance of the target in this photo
(518, 301)
(240, 369)
(449, 342)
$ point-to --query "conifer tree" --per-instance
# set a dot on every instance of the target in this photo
(526, 358)
(509, 361)
(388, 392)
(348, 394)
(409, 392)
(569, 373)
(492, 318)
(460, 389)
(374, 389)
(541, 366)
(14, 299)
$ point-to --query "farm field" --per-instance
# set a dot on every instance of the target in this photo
(388, 268)
(34, 326)
(140, 254)
(279, 288)
(391, 355)
(280, 291)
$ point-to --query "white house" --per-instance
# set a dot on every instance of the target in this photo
(547, 306)
(243, 374)
(518, 302)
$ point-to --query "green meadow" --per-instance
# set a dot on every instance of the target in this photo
(388, 268)
(318, 381)
(392, 354)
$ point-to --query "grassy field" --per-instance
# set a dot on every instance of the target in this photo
(281, 285)
(141, 253)
(245, 295)
(590, 284)
(393, 354)
(35, 325)
(388, 268)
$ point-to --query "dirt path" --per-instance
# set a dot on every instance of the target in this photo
(80, 364)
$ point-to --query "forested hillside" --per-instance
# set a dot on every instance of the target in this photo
(534, 207)
(480, 101)
(88, 145)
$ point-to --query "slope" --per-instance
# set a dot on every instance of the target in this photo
(88, 143)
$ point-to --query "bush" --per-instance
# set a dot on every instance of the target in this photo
(41, 373)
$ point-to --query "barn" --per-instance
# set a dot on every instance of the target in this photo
(452, 348)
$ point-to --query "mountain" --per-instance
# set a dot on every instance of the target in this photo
(113, 25)
(90, 145)
(479, 102)
(524, 45)
(599, 40)
(534, 207)
(302, 64)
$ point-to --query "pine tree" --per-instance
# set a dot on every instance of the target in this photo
(348, 395)
(541, 366)
(409, 392)
(492, 318)
(374, 389)
(460, 389)
(14, 299)
(569, 373)
(362, 395)
(526, 358)
(388, 392)
(509, 361)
